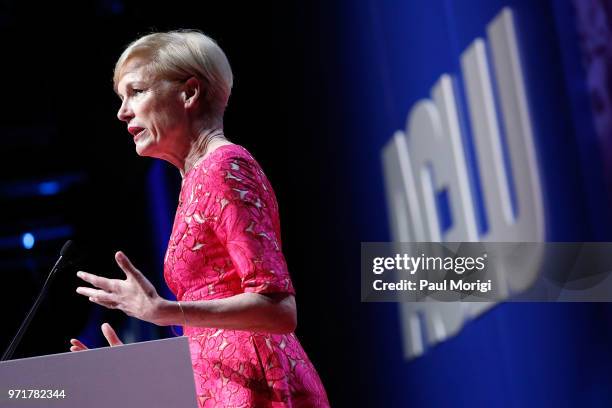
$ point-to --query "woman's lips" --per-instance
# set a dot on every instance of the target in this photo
(136, 131)
(139, 134)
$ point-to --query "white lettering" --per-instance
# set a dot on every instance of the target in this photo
(429, 158)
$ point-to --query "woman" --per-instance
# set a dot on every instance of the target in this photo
(224, 261)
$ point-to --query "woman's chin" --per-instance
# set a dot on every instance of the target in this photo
(143, 149)
(140, 151)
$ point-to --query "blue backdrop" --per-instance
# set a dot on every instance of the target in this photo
(514, 355)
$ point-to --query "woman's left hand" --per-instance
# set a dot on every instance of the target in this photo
(135, 295)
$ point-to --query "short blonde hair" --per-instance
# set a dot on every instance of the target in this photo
(179, 55)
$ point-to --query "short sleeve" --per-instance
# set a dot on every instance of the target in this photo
(247, 225)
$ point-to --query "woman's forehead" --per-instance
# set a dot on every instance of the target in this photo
(131, 76)
(132, 71)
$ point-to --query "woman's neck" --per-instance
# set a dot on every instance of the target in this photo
(201, 146)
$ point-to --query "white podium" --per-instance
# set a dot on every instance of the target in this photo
(139, 375)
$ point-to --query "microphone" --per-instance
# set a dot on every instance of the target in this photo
(65, 254)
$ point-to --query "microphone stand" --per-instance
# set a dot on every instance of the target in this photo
(24, 326)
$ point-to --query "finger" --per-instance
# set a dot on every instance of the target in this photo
(125, 264)
(99, 297)
(97, 281)
(108, 305)
(110, 335)
(77, 343)
(128, 268)
(96, 295)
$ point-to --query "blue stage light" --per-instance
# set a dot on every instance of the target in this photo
(49, 188)
(28, 240)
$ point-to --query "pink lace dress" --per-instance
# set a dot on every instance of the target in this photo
(226, 241)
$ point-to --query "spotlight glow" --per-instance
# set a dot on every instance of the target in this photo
(27, 240)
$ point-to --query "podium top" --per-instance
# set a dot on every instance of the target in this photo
(147, 374)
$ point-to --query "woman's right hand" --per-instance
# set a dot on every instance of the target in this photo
(109, 333)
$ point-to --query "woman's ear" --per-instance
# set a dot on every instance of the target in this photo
(191, 92)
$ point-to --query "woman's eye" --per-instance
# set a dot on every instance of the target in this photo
(137, 91)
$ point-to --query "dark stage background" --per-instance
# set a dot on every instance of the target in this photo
(69, 168)
(320, 88)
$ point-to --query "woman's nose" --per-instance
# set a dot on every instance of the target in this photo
(124, 113)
